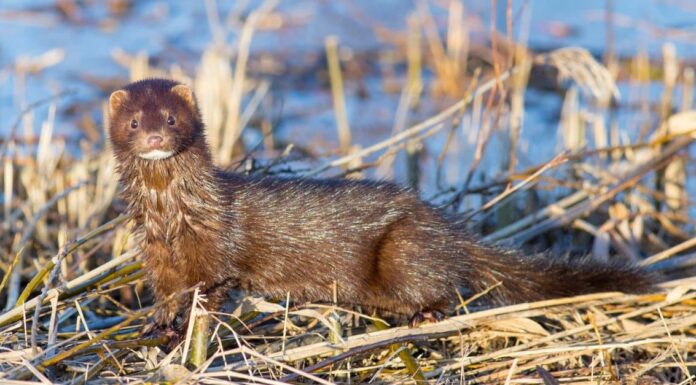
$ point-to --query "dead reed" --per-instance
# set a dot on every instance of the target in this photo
(73, 289)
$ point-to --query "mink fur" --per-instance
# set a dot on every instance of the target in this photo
(377, 243)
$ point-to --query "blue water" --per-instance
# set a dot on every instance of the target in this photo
(177, 32)
(639, 24)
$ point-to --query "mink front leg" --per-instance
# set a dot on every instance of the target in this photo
(179, 316)
(164, 324)
(216, 295)
(168, 288)
(172, 308)
(165, 315)
(165, 320)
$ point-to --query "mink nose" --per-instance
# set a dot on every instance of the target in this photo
(154, 141)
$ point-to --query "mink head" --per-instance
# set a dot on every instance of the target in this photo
(154, 119)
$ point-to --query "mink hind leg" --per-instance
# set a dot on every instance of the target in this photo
(411, 275)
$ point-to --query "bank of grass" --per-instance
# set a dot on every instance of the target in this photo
(73, 289)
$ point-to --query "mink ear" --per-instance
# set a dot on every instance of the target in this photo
(185, 93)
(116, 100)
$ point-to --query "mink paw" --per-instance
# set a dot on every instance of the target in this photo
(154, 330)
(425, 316)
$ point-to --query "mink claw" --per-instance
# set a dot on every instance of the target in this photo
(174, 339)
(416, 320)
(150, 330)
(154, 330)
(421, 317)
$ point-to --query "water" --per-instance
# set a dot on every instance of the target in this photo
(178, 31)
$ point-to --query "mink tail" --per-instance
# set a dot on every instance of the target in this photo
(523, 278)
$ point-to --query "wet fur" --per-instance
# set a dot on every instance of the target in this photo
(377, 243)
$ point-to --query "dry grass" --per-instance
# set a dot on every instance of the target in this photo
(73, 287)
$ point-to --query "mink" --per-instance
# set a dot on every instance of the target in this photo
(369, 243)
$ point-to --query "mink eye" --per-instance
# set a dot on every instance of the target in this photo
(134, 124)
(171, 121)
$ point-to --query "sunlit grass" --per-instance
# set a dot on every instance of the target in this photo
(73, 285)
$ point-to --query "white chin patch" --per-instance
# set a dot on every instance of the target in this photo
(157, 155)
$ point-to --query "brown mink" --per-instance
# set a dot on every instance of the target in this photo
(376, 243)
